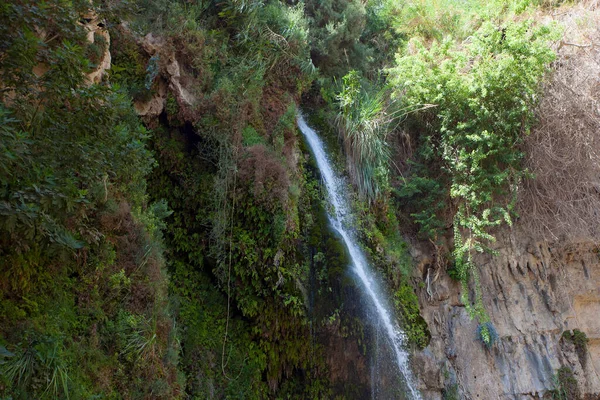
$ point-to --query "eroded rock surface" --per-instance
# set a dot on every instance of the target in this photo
(96, 30)
(545, 280)
(170, 78)
(533, 292)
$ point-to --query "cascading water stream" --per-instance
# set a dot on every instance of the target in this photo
(338, 217)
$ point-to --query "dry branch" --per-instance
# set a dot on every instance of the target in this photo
(563, 152)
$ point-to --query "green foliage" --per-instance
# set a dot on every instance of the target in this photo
(351, 35)
(350, 42)
(235, 266)
(94, 130)
(389, 253)
(565, 385)
(95, 50)
(580, 340)
(413, 324)
(451, 392)
(336, 28)
(251, 137)
(79, 245)
(483, 95)
(453, 272)
(129, 68)
(428, 198)
(440, 19)
(84, 307)
(487, 334)
(39, 365)
(363, 126)
(201, 308)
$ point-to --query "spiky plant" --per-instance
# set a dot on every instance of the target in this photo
(363, 123)
(40, 361)
(140, 338)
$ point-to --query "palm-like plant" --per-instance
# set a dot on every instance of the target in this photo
(38, 362)
(363, 123)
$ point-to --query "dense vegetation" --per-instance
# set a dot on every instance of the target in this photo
(186, 254)
(228, 214)
(469, 142)
(459, 98)
(83, 303)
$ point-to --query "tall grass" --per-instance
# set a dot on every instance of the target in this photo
(40, 362)
(363, 124)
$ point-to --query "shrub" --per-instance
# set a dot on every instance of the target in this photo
(487, 334)
(336, 29)
(580, 340)
(479, 98)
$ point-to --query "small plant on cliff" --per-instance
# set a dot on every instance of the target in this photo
(451, 392)
(487, 334)
(580, 340)
(565, 386)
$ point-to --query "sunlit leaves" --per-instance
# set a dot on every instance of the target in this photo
(485, 90)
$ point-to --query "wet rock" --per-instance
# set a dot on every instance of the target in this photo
(427, 368)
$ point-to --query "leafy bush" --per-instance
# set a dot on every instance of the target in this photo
(483, 95)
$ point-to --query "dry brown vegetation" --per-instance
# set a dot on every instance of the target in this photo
(265, 171)
(562, 200)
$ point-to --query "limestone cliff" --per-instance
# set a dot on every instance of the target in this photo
(534, 292)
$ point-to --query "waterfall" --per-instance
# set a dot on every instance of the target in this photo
(339, 218)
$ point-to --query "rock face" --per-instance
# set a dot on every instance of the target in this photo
(533, 292)
(95, 29)
(169, 79)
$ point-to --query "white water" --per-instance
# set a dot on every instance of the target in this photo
(339, 220)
